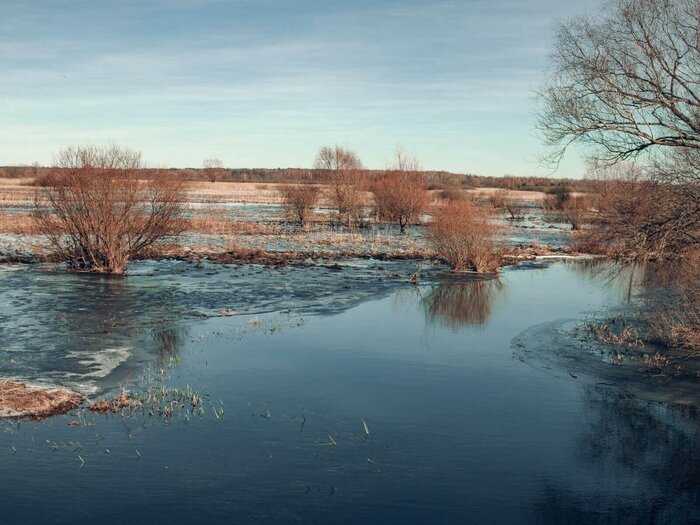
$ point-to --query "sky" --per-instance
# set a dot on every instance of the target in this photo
(265, 83)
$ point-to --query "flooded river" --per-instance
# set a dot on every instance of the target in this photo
(335, 395)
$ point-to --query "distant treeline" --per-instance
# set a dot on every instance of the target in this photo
(437, 180)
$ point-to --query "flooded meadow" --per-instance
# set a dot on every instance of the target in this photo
(338, 394)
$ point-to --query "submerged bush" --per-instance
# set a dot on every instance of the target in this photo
(462, 234)
(98, 214)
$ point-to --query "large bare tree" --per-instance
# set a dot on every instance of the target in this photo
(626, 80)
(626, 85)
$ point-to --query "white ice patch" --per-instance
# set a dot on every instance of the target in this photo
(103, 362)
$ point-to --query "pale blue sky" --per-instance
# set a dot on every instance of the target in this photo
(264, 83)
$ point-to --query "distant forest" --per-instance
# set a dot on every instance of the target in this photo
(437, 180)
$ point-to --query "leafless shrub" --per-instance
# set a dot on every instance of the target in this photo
(589, 242)
(498, 199)
(401, 194)
(576, 211)
(342, 170)
(513, 209)
(641, 218)
(299, 200)
(453, 194)
(99, 214)
(558, 197)
(43, 177)
(462, 234)
(214, 169)
(502, 200)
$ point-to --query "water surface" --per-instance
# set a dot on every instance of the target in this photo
(460, 428)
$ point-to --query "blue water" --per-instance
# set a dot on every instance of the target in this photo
(460, 430)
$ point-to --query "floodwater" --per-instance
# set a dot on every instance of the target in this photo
(334, 396)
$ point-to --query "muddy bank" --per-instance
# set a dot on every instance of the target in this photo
(19, 400)
(242, 255)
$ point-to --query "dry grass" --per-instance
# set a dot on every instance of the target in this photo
(219, 225)
(19, 224)
(243, 192)
(114, 406)
(616, 334)
(20, 192)
(511, 195)
(18, 400)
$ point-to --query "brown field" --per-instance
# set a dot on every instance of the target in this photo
(21, 192)
(216, 228)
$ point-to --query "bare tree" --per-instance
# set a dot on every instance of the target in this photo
(342, 170)
(575, 211)
(626, 81)
(557, 197)
(401, 195)
(627, 85)
(299, 199)
(98, 214)
(214, 169)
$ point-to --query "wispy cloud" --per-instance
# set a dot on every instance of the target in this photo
(266, 82)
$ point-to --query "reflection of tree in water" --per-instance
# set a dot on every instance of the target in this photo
(667, 294)
(169, 337)
(463, 303)
(105, 310)
(643, 460)
(625, 278)
(66, 327)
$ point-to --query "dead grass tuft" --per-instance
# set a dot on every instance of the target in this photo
(122, 402)
(19, 400)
